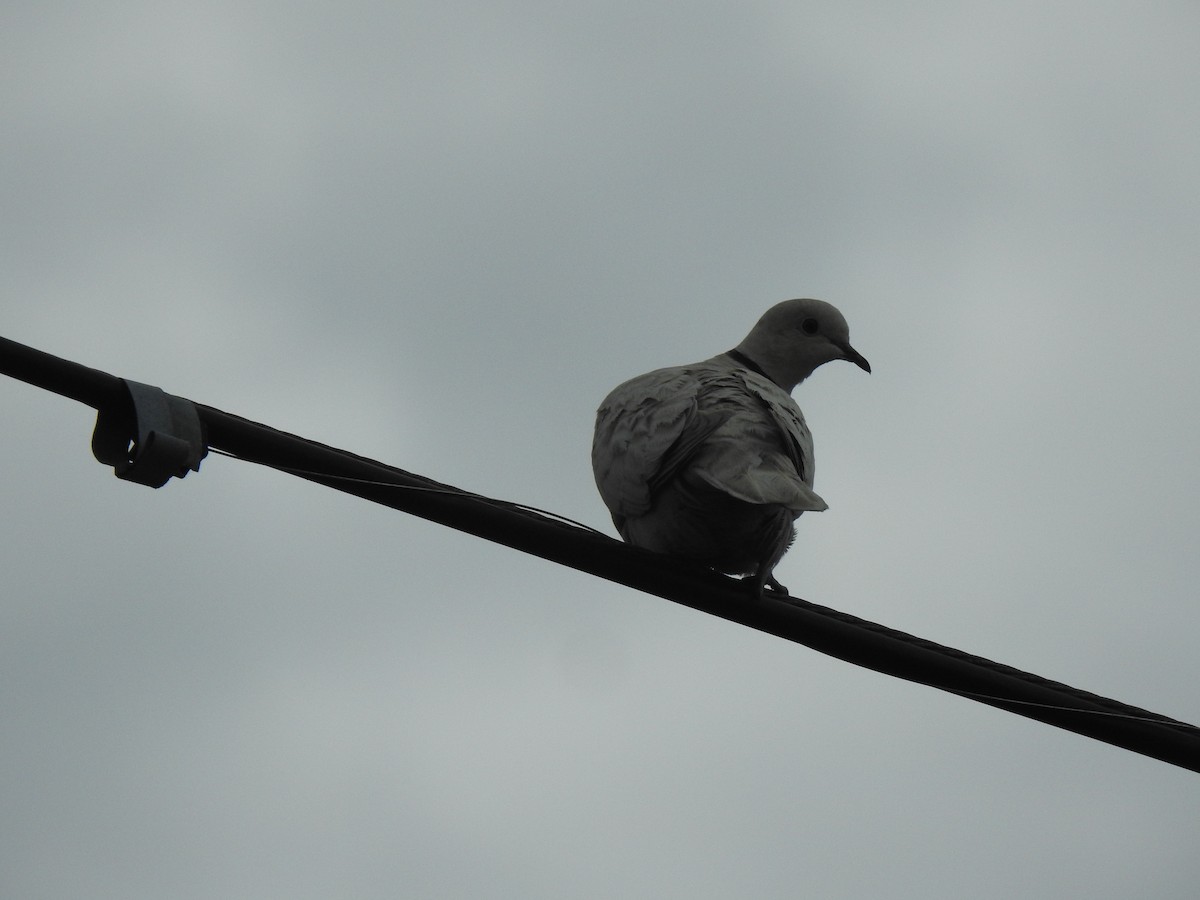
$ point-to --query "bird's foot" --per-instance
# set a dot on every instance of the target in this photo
(774, 585)
(761, 582)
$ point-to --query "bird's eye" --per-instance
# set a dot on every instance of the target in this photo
(809, 326)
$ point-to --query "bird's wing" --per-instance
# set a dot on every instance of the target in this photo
(646, 430)
(762, 453)
(797, 439)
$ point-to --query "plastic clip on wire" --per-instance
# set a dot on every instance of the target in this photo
(150, 437)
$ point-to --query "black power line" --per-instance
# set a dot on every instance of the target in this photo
(149, 437)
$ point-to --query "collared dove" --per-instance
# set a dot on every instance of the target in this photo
(713, 461)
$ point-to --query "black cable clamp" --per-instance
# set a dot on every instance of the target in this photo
(150, 436)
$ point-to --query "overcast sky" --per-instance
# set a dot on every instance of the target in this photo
(437, 234)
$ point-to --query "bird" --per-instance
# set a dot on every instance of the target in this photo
(713, 462)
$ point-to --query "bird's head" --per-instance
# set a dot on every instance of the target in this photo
(794, 337)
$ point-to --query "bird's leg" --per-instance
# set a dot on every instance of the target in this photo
(784, 534)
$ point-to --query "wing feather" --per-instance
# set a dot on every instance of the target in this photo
(646, 430)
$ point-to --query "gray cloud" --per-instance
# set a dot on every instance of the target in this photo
(437, 236)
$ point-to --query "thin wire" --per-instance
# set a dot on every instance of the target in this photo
(453, 492)
(1075, 709)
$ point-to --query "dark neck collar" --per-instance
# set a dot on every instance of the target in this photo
(746, 361)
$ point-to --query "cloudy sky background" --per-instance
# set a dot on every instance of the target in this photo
(437, 234)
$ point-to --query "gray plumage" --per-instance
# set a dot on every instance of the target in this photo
(713, 461)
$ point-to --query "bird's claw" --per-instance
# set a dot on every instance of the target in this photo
(760, 583)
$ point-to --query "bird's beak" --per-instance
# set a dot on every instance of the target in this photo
(852, 355)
